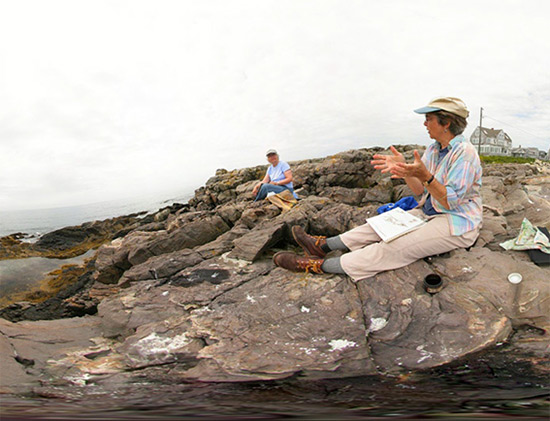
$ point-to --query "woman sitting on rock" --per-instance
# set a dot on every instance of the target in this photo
(277, 178)
(448, 175)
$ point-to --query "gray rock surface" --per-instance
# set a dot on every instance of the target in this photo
(202, 299)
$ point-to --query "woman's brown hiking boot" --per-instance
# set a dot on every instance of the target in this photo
(295, 263)
(311, 244)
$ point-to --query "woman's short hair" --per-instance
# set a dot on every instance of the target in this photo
(458, 124)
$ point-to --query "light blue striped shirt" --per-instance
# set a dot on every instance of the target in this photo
(460, 172)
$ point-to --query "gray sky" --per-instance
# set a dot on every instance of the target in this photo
(110, 99)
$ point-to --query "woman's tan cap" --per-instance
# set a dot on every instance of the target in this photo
(448, 103)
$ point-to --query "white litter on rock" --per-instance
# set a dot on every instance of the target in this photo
(154, 344)
(308, 351)
(377, 323)
(165, 293)
(340, 344)
(239, 263)
(79, 381)
(250, 298)
(304, 309)
(425, 357)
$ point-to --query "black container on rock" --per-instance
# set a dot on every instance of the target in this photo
(433, 283)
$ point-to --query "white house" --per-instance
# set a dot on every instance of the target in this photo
(493, 141)
(526, 152)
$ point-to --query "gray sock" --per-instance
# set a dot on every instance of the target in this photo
(334, 243)
(332, 265)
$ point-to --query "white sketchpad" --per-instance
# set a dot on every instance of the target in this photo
(394, 223)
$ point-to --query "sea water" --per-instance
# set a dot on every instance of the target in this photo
(21, 274)
(36, 222)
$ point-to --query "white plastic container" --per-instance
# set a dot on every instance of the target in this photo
(515, 278)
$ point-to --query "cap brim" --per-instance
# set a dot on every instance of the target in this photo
(426, 110)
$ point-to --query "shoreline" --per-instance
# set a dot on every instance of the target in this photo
(32, 223)
(190, 294)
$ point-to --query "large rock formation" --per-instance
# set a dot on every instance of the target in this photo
(196, 296)
(73, 241)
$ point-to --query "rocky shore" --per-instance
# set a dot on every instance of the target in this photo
(190, 292)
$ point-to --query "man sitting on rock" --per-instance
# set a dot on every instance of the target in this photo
(449, 177)
(277, 178)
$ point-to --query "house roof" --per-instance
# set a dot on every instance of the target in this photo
(493, 133)
(490, 132)
(520, 149)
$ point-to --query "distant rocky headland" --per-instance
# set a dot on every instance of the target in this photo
(190, 292)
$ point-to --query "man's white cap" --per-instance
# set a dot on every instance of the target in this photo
(270, 151)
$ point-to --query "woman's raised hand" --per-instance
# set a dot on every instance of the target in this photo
(416, 169)
(386, 163)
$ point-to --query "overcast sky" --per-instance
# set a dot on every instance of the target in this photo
(102, 100)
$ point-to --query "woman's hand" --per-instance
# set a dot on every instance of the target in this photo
(396, 166)
(417, 169)
(386, 163)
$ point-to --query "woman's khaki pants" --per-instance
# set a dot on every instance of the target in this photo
(369, 255)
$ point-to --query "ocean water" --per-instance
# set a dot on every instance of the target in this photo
(37, 222)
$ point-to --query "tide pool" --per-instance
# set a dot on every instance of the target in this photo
(17, 275)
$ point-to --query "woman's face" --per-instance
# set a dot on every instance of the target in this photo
(435, 130)
(273, 159)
